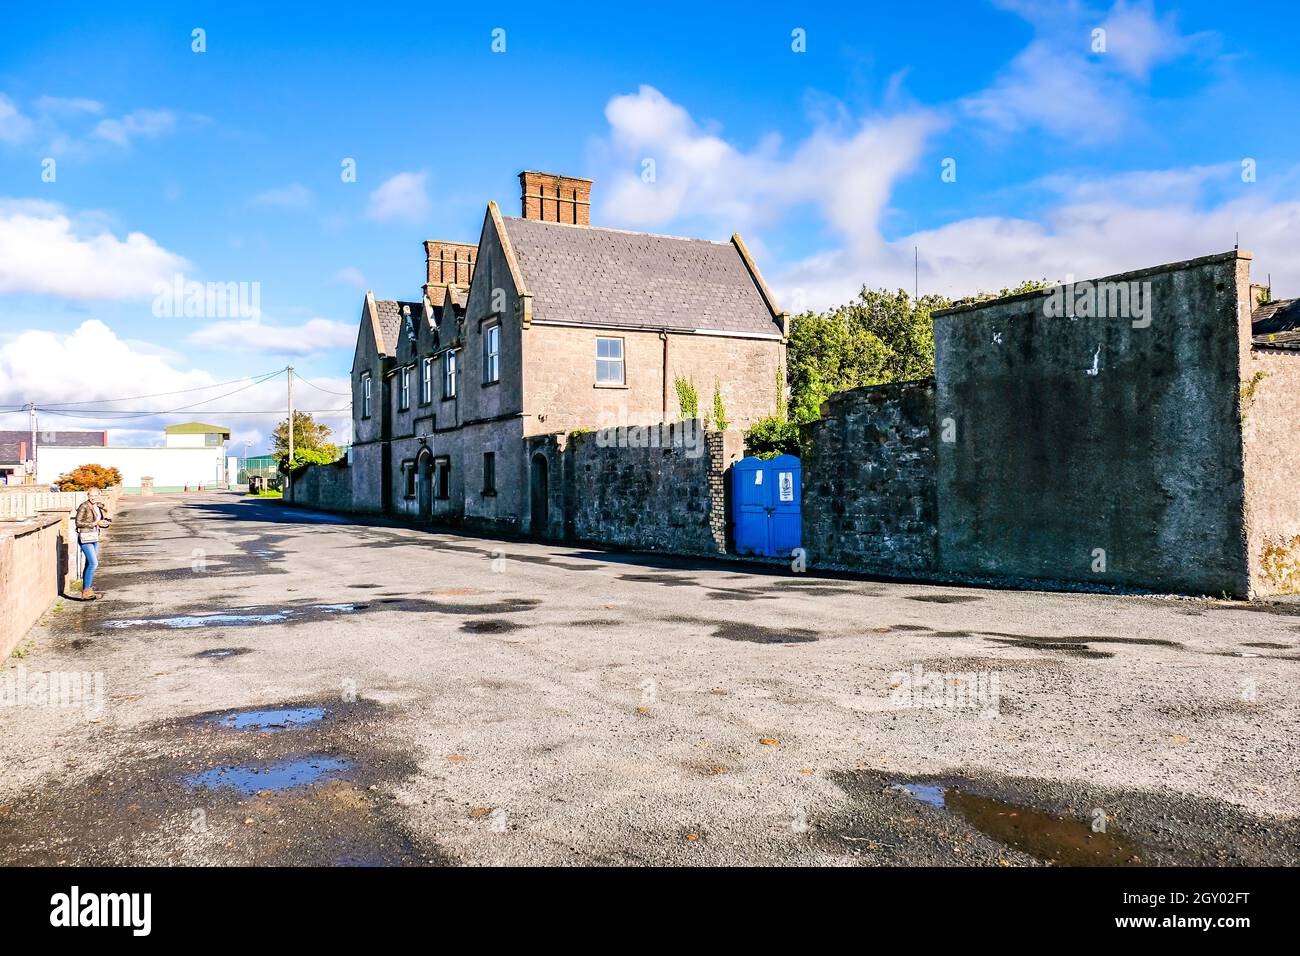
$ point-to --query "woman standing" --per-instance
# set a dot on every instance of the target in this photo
(91, 516)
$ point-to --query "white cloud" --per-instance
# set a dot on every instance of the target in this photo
(69, 105)
(292, 196)
(91, 364)
(1096, 227)
(699, 178)
(351, 275)
(1056, 90)
(252, 335)
(43, 252)
(401, 198)
(1139, 41)
(140, 124)
(1059, 84)
(14, 126)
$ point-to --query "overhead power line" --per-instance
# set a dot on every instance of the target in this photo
(266, 411)
(319, 389)
(118, 414)
(179, 391)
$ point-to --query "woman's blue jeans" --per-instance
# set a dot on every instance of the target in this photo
(91, 553)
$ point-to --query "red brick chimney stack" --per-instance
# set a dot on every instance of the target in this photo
(551, 198)
(447, 262)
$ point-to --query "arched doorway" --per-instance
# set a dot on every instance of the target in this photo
(540, 497)
(424, 484)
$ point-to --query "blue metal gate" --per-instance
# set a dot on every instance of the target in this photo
(765, 495)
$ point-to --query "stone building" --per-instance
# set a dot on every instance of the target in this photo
(547, 324)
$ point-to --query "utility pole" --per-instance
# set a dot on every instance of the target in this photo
(289, 378)
(31, 416)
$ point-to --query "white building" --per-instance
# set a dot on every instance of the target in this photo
(194, 454)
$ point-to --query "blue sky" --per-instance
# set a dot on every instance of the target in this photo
(224, 165)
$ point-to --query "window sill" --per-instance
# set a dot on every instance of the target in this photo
(609, 385)
(490, 384)
(488, 494)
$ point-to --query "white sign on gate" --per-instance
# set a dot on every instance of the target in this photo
(786, 479)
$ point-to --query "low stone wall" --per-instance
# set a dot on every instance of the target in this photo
(327, 487)
(649, 498)
(19, 503)
(869, 496)
(33, 563)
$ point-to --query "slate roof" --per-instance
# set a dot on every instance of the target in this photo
(1277, 324)
(76, 439)
(592, 276)
(390, 322)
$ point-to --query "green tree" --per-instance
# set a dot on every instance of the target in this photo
(311, 444)
(879, 337)
(771, 436)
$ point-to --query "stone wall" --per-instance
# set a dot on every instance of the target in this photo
(1098, 450)
(649, 498)
(33, 562)
(327, 487)
(1270, 412)
(869, 498)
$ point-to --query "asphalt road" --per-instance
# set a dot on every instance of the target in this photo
(437, 699)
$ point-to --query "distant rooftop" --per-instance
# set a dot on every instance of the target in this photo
(1276, 325)
(197, 428)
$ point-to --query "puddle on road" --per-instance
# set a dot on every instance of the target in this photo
(221, 653)
(490, 627)
(1045, 836)
(251, 779)
(944, 598)
(758, 634)
(930, 794)
(223, 619)
(270, 721)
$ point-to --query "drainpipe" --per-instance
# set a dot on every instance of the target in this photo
(664, 338)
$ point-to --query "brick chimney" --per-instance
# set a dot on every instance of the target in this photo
(447, 262)
(551, 198)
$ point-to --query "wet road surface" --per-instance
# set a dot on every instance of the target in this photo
(268, 685)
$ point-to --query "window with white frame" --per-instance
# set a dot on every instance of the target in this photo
(449, 374)
(609, 361)
(426, 381)
(404, 388)
(365, 395)
(491, 354)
